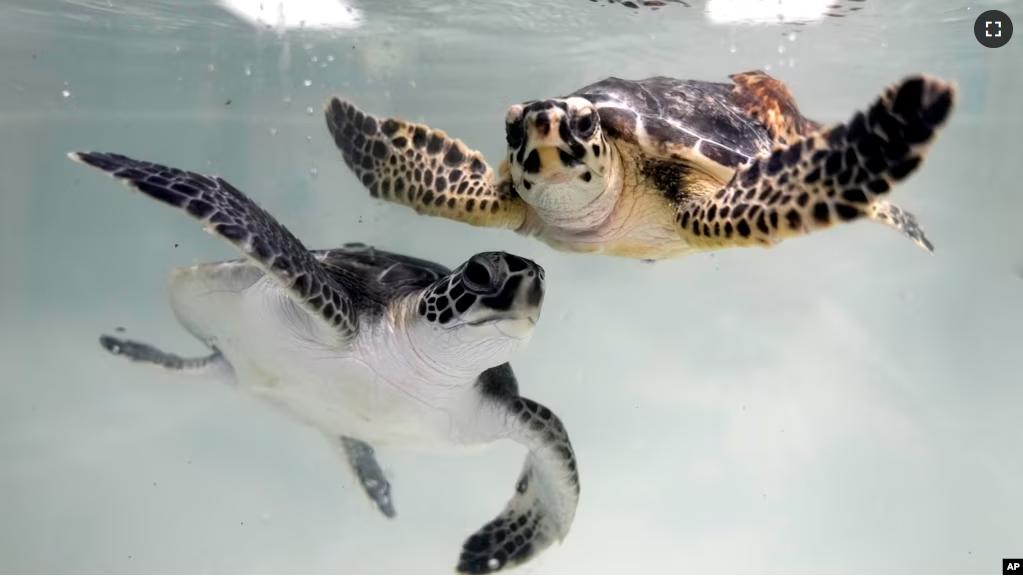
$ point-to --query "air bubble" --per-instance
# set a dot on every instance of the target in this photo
(307, 83)
(493, 564)
(248, 70)
(287, 100)
(330, 57)
(314, 173)
(792, 36)
(211, 68)
(66, 93)
(309, 110)
(781, 49)
(732, 49)
(273, 131)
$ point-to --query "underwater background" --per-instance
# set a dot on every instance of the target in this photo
(843, 402)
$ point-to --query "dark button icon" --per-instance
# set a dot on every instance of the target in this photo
(993, 29)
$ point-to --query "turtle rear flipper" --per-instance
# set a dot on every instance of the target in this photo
(888, 214)
(363, 461)
(832, 176)
(147, 354)
(422, 168)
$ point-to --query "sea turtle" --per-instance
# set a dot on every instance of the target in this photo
(658, 168)
(369, 347)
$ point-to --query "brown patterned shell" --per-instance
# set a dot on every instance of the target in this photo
(717, 125)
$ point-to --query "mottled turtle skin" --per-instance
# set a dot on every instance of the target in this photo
(661, 167)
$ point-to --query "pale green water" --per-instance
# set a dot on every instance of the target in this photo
(842, 403)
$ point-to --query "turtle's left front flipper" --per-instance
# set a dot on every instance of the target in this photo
(543, 507)
(837, 175)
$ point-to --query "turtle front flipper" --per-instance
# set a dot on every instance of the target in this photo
(147, 354)
(829, 177)
(362, 458)
(424, 169)
(543, 507)
(227, 212)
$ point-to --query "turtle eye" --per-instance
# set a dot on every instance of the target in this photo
(584, 124)
(477, 274)
(514, 133)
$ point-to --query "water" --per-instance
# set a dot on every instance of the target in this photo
(841, 403)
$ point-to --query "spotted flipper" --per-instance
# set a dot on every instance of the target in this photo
(142, 352)
(826, 178)
(227, 212)
(546, 495)
(424, 169)
(768, 100)
(364, 463)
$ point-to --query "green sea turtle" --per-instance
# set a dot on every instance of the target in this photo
(659, 168)
(369, 347)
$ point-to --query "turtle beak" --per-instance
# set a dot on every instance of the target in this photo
(518, 328)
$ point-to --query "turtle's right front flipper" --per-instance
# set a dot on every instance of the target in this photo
(227, 212)
(424, 169)
(833, 176)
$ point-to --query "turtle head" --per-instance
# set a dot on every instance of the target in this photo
(476, 317)
(557, 155)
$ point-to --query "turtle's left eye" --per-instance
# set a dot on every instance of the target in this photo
(514, 134)
(584, 124)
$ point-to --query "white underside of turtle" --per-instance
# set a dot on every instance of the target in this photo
(278, 356)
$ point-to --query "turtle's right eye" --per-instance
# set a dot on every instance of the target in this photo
(514, 133)
(584, 124)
